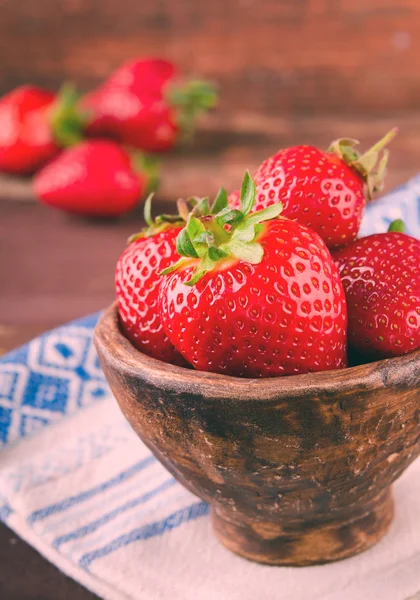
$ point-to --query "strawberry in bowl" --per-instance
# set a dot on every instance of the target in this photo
(381, 279)
(262, 299)
(137, 283)
(325, 191)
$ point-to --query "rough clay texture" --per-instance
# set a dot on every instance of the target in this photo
(297, 469)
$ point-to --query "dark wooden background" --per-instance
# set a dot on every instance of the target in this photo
(289, 71)
(269, 56)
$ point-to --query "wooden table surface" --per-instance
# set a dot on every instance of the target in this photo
(55, 267)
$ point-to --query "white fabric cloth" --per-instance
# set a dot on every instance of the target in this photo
(88, 496)
(78, 485)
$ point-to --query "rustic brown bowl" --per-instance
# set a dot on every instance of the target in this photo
(298, 470)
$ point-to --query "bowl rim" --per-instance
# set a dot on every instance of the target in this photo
(117, 350)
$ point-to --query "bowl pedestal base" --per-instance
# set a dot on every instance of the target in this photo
(303, 543)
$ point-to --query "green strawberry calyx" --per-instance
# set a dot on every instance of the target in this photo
(371, 165)
(67, 120)
(219, 232)
(161, 222)
(145, 166)
(190, 100)
(398, 225)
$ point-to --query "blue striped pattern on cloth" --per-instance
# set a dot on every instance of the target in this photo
(101, 503)
(64, 505)
(145, 532)
(104, 519)
(86, 492)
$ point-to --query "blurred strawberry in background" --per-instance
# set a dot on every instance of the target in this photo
(95, 178)
(34, 123)
(146, 104)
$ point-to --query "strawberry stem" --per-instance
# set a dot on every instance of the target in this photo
(380, 144)
(212, 225)
(371, 165)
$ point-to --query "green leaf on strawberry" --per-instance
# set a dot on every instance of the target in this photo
(189, 101)
(206, 237)
(397, 225)
(159, 223)
(66, 119)
(220, 202)
(248, 192)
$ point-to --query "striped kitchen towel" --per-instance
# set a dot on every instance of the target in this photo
(78, 485)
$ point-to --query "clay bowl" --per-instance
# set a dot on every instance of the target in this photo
(298, 470)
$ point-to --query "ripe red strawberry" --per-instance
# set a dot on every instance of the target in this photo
(262, 300)
(34, 123)
(323, 190)
(144, 105)
(137, 282)
(95, 178)
(381, 279)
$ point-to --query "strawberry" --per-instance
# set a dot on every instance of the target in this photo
(381, 279)
(143, 104)
(322, 190)
(34, 123)
(137, 284)
(95, 178)
(262, 299)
